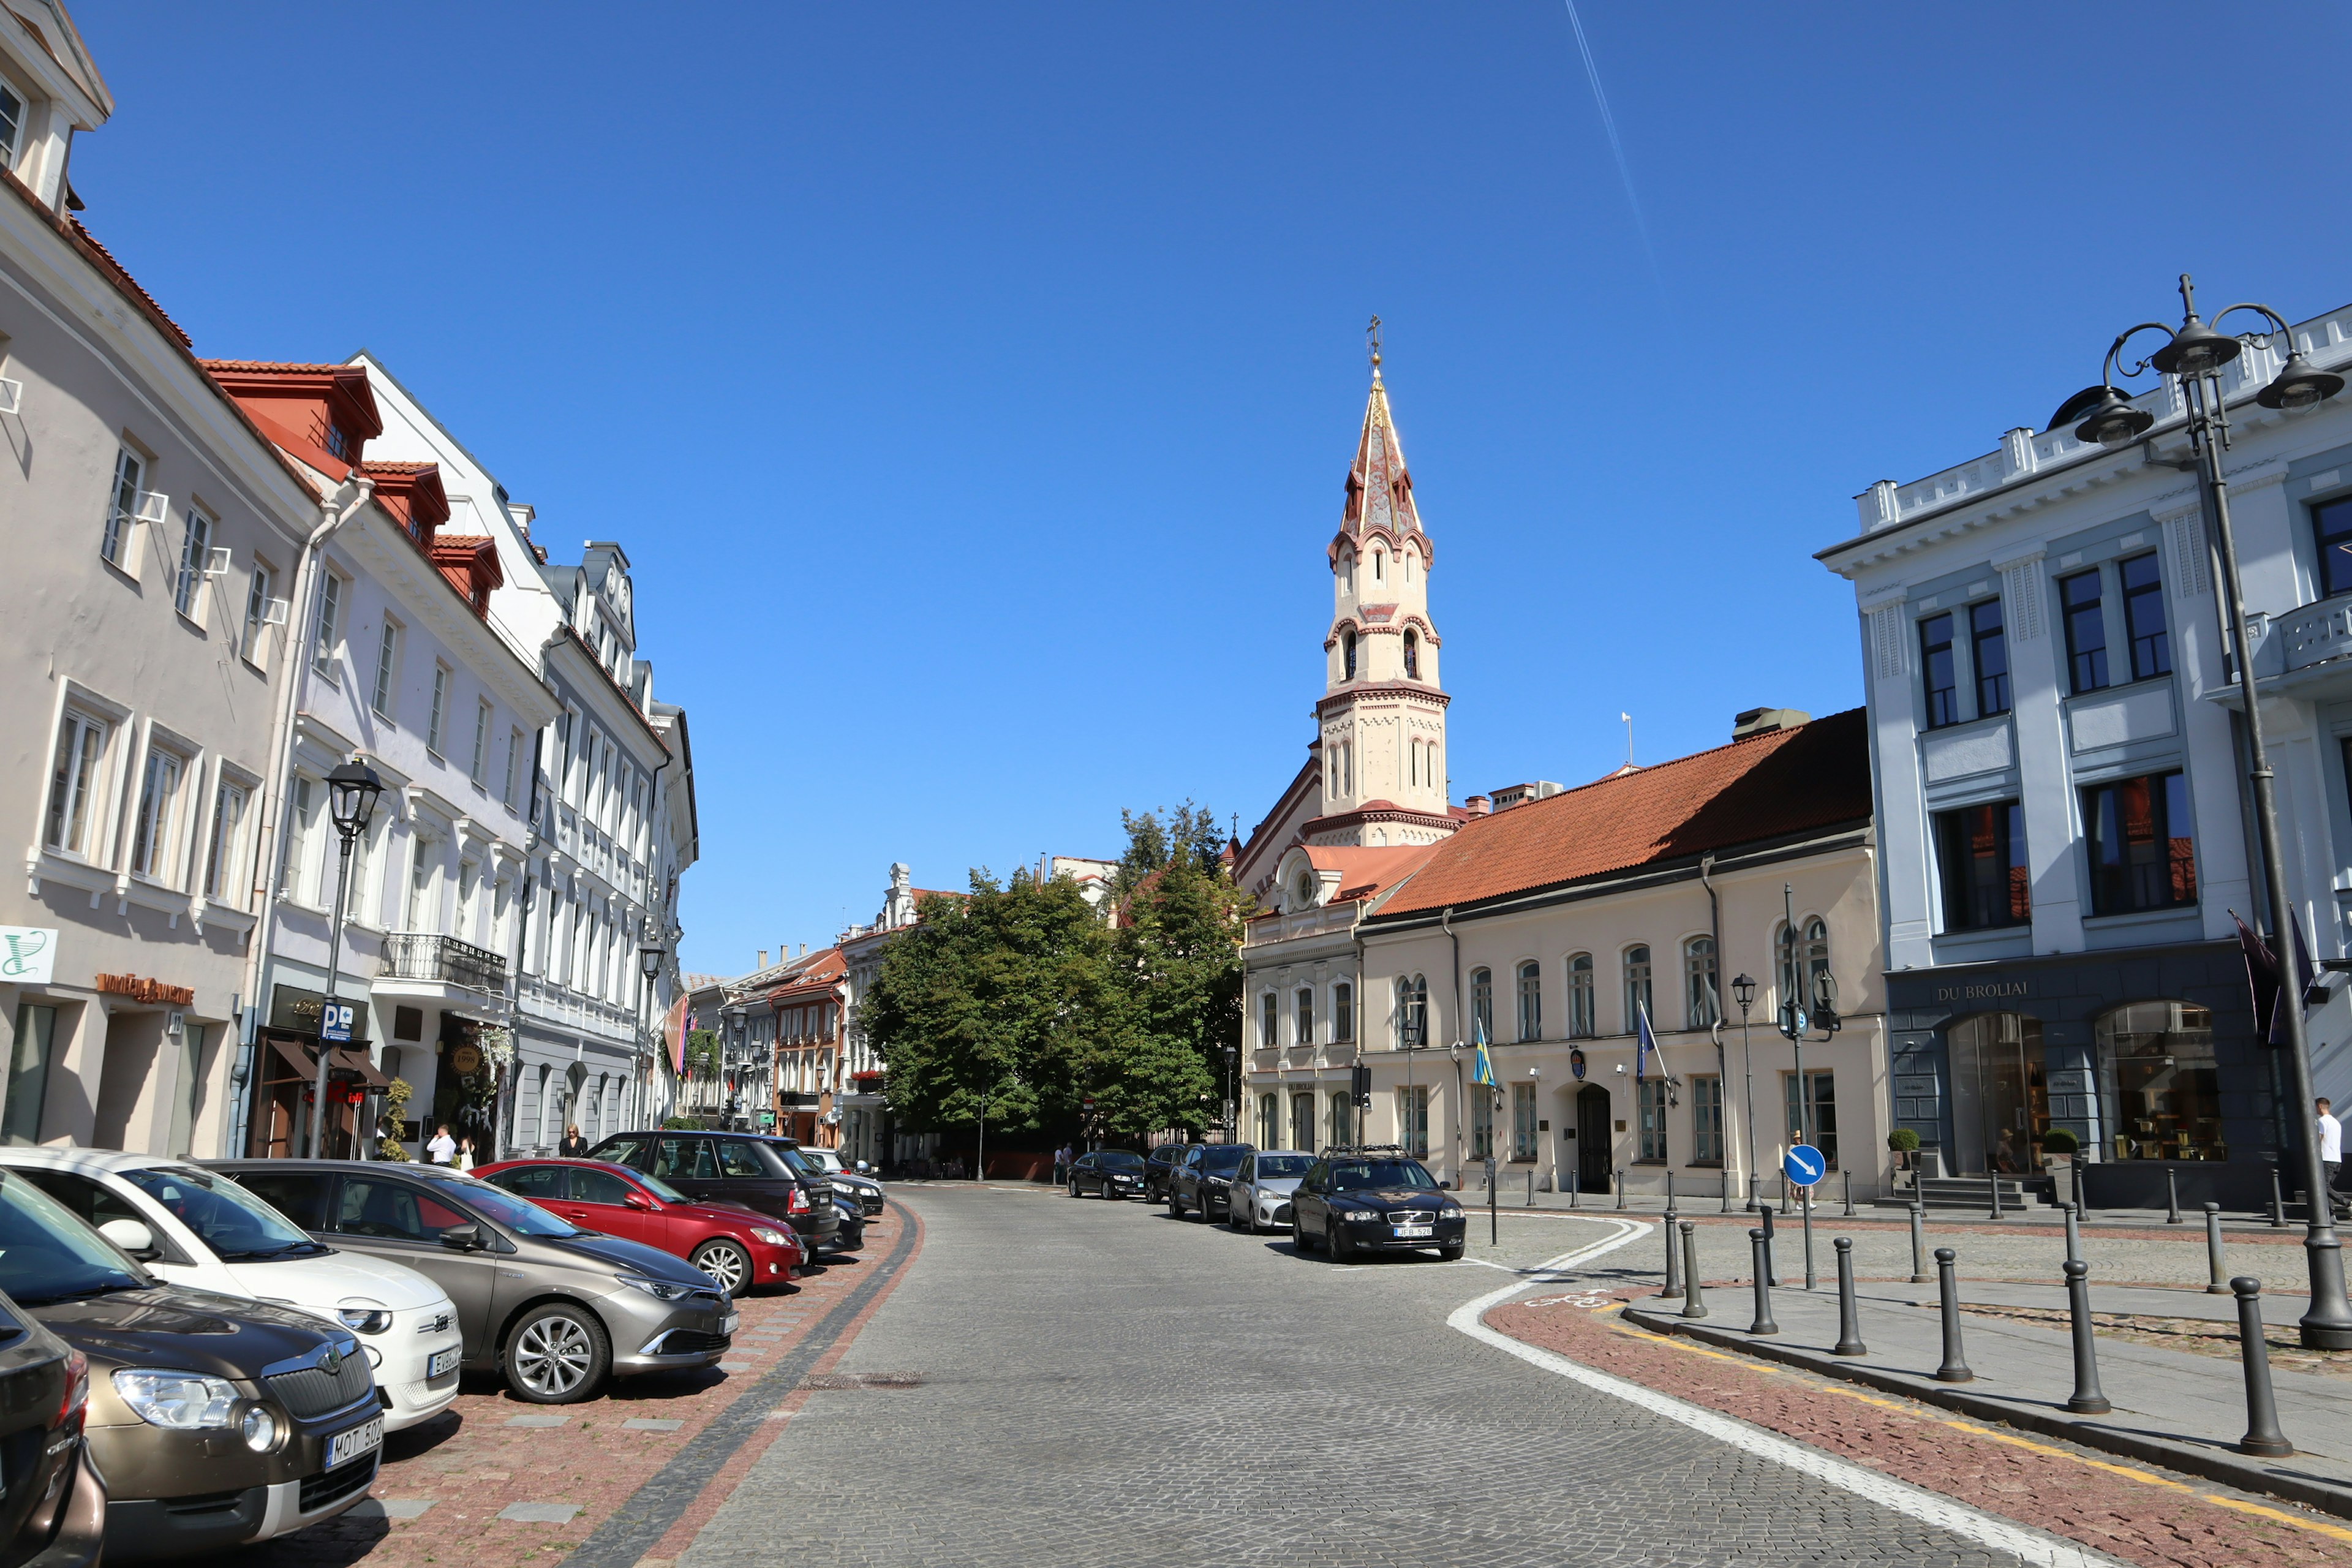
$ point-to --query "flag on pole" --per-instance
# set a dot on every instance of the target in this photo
(1649, 1041)
(1485, 1070)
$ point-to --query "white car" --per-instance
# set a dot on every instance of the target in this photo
(1259, 1198)
(194, 1228)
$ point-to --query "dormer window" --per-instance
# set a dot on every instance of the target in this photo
(338, 444)
(1304, 895)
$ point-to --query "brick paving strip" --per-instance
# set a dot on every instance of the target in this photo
(2137, 1514)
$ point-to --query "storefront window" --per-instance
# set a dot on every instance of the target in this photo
(2001, 1094)
(2166, 1086)
(1654, 1121)
(1816, 1116)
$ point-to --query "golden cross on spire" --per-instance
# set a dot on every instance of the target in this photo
(1373, 333)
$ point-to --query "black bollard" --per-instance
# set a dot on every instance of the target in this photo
(1670, 1189)
(1771, 1270)
(1996, 1194)
(2262, 1434)
(1575, 1186)
(2278, 1201)
(1724, 1185)
(1618, 1176)
(2220, 1284)
(1849, 1319)
(1849, 1192)
(1918, 1242)
(1954, 1370)
(1756, 1247)
(1532, 1187)
(1673, 1258)
(2172, 1195)
(1692, 1307)
(2086, 1399)
(2073, 1232)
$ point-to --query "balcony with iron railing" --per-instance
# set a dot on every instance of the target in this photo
(434, 960)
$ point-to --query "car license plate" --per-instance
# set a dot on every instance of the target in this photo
(345, 1446)
(1412, 1230)
(727, 1324)
(442, 1361)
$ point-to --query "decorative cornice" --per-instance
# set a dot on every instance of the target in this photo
(1348, 696)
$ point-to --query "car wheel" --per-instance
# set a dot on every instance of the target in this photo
(1237, 1217)
(1175, 1205)
(1452, 1252)
(557, 1354)
(1298, 1242)
(1337, 1245)
(727, 1263)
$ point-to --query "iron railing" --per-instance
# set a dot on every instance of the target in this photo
(422, 956)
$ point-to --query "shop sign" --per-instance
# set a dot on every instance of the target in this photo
(465, 1060)
(28, 954)
(138, 988)
(1984, 991)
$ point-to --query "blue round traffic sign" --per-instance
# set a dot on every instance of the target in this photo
(1804, 1165)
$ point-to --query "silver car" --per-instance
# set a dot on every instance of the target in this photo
(1259, 1198)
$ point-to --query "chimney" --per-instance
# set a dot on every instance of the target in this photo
(1767, 720)
(762, 964)
(803, 950)
(1478, 806)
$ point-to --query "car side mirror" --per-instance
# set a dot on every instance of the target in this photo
(637, 1200)
(131, 1235)
(462, 1238)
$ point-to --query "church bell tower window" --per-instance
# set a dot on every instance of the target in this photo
(1412, 654)
(1347, 655)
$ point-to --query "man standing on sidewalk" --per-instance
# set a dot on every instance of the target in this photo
(2331, 1146)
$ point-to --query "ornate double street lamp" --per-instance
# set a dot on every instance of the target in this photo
(1743, 991)
(351, 792)
(649, 962)
(2193, 357)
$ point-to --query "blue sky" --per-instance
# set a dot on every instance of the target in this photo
(972, 386)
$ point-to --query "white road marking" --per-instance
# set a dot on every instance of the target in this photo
(1999, 1534)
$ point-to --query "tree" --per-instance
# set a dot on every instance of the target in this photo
(1180, 957)
(1152, 844)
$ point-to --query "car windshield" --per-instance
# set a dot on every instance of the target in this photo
(1224, 1157)
(234, 1224)
(825, 1160)
(47, 1254)
(1361, 1173)
(1274, 1165)
(1120, 1160)
(505, 1208)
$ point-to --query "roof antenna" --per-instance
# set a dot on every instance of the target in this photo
(1628, 737)
(1372, 334)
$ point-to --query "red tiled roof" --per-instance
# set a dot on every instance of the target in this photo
(1813, 777)
(129, 284)
(273, 366)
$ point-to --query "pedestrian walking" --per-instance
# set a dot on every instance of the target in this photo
(440, 1149)
(574, 1146)
(2331, 1146)
(465, 1154)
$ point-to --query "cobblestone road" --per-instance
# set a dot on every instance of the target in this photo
(1059, 1382)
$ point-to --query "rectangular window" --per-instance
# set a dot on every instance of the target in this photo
(258, 594)
(299, 805)
(1651, 1144)
(2332, 521)
(1306, 1019)
(227, 839)
(1530, 1002)
(514, 761)
(1523, 1121)
(12, 127)
(386, 688)
(1482, 1003)
(1269, 1022)
(195, 554)
(1339, 1119)
(1343, 1013)
(438, 714)
(28, 1072)
(2151, 647)
(123, 506)
(1482, 1122)
(1269, 1121)
(1988, 645)
(1582, 1023)
(159, 797)
(331, 624)
(1698, 977)
(1707, 1119)
(2143, 844)
(1981, 855)
(1412, 1119)
(73, 786)
(1936, 665)
(419, 913)
(1814, 1121)
(2086, 630)
(479, 765)
(1638, 999)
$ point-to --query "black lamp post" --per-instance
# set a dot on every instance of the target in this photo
(649, 962)
(2193, 356)
(1743, 991)
(351, 792)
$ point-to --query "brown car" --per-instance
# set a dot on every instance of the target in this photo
(215, 1422)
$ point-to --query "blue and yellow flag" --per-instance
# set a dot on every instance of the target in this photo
(1485, 1072)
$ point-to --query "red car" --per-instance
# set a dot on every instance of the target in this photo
(737, 1247)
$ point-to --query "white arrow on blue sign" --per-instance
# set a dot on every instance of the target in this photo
(335, 1023)
(1804, 1164)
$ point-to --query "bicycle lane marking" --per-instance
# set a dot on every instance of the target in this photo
(2000, 1535)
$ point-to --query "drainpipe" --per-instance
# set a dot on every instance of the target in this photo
(1445, 923)
(308, 575)
(523, 906)
(1722, 1073)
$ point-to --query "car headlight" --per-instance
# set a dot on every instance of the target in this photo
(259, 1428)
(760, 1233)
(1221, 1181)
(1364, 1217)
(660, 1290)
(364, 1316)
(182, 1401)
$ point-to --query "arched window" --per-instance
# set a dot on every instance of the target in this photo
(1412, 1012)
(1305, 1007)
(1303, 893)
(1348, 653)
(1412, 653)
(1582, 1023)
(1800, 965)
(1531, 1001)
(1380, 567)
(1637, 986)
(1343, 1013)
(1347, 572)
(1790, 983)
(1482, 1003)
(1699, 982)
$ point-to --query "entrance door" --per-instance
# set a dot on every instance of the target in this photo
(1593, 1139)
(2000, 1093)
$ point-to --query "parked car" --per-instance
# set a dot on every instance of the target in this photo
(52, 1499)
(1374, 1199)
(215, 1422)
(850, 1237)
(1107, 1174)
(192, 1227)
(556, 1309)
(737, 1248)
(1259, 1198)
(860, 1182)
(1200, 1183)
(1160, 1164)
(734, 1168)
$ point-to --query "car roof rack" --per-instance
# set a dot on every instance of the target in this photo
(1351, 1150)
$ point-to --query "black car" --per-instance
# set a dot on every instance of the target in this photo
(1200, 1183)
(1374, 1199)
(755, 1172)
(851, 1236)
(1107, 1174)
(52, 1503)
(1159, 1165)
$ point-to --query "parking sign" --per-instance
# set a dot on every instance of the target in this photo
(335, 1023)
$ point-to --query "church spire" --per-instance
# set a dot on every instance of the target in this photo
(1380, 489)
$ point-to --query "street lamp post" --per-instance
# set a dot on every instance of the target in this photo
(1743, 991)
(649, 962)
(351, 792)
(2193, 356)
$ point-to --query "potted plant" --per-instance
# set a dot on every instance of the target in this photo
(1905, 1142)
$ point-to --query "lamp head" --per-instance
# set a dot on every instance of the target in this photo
(649, 960)
(2196, 350)
(2112, 422)
(1743, 990)
(2301, 384)
(351, 792)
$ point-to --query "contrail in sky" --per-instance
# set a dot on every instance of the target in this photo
(1616, 147)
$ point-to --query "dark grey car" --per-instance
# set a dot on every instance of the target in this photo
(555, 1308)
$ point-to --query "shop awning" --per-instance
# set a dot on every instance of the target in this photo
(297, 1055)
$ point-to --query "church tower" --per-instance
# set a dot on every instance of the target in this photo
(1381, 719)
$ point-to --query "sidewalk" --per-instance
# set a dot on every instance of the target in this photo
(2175, 1408)
(1829, 1204)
